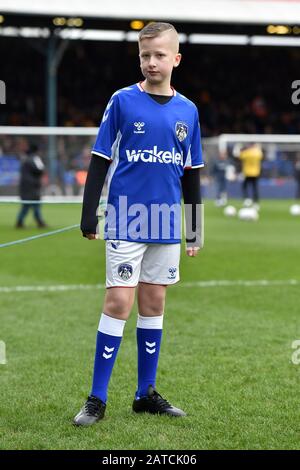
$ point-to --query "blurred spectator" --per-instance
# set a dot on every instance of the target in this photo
(219, 173)
(297, 175)
(32, 169)
(251, 157)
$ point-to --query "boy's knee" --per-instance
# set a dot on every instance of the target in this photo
(152, 302)
(118, 303)
(151, 310)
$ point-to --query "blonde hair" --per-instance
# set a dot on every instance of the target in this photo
(154, 29)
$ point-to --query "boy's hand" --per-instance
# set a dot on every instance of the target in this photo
(192, 251)
(90, 236)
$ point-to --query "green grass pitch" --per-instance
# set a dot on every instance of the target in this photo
(226, 355)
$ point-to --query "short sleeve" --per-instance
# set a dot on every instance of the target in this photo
(108, 130)
(194, 156)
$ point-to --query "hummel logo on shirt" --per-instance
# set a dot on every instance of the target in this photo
(139, 128)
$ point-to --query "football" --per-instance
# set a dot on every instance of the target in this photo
(230, 211)
(248, 213)
(295, 209)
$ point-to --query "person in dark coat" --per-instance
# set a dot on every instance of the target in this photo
(297, 175)
(219, 173)
(32, 170)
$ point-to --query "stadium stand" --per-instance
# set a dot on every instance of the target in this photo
(256, 98)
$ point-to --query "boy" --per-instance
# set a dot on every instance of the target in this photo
(149, 147)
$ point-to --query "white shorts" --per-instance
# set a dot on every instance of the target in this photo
(128, 263)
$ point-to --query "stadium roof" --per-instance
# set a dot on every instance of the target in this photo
(228, 11)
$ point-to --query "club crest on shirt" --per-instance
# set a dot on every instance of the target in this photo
(125, 271)
(181, 130)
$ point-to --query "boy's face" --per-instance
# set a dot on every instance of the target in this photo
(158, 56)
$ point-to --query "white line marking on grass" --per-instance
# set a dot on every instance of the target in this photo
(35, 237)
(200, 284)
(59, 288)
(244, 283)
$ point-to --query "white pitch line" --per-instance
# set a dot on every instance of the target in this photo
(241, 282)
(197, 284)
(58, 288)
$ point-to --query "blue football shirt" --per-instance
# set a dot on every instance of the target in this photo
(149, 145)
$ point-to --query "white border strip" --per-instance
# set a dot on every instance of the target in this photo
(44, 130)
(232, 11)
(199, 284)
(229, 39)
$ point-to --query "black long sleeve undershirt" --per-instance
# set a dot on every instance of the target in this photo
(191, 191)
(93, 187)
(190, 183)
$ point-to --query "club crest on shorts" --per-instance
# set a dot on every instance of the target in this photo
(181, 130)
(125, 271)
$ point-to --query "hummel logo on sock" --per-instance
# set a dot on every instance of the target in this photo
(109, 350)
(152, 346)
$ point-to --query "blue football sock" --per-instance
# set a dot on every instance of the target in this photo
(109, 338)
(149, 333)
